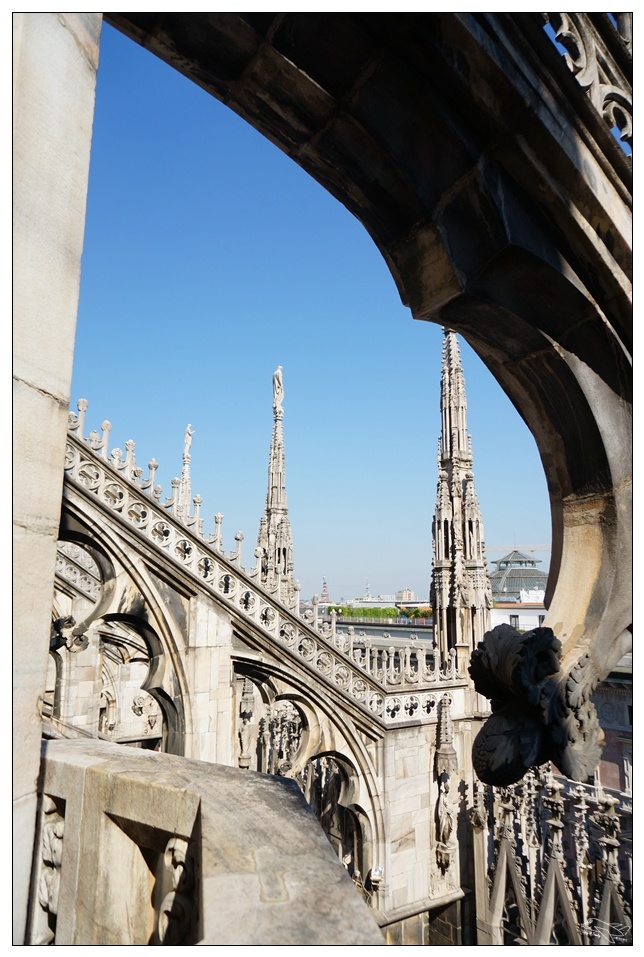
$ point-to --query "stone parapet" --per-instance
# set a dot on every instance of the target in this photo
(137, 847)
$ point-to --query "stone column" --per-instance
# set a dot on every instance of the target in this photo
(55, 57)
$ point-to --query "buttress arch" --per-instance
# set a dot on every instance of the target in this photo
(482, 211)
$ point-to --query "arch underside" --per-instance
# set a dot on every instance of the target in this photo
(501, 205)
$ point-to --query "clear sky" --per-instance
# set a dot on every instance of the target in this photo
(210, 258)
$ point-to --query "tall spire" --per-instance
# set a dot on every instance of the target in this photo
(274, 542)
(460, 591)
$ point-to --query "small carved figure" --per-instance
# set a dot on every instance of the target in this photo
(444, 813)
(146, 705)
(187, 439)
(278, 390)
(245, 740)
(176, 914)
(51, 860)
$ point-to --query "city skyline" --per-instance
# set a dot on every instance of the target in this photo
(205, 242)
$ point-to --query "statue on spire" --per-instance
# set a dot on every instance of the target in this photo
(187, 439)
(185, 494)
(278, 391)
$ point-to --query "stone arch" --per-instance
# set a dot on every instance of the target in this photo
(78, 593)
(328, 732)
(331, 786)
(78, 532)
(129, 596)
(168, 734)
(482, 208)
(269, 730)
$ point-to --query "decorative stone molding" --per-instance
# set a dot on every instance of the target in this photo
(554, 875)
(76, 567)
(596, 71)
(145, 705)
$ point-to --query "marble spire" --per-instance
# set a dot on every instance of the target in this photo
(274, 542)
(460, 590)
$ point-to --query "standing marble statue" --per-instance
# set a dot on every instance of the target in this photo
(187, 439)
(444, 813)
(278, 390)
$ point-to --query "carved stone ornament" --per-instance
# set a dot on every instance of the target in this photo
(478, 813)
(537, 714)
(176, 914)
(62, 634)
(51, 859)
(144, 705)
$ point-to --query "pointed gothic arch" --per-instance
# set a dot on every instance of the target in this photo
(141, 622)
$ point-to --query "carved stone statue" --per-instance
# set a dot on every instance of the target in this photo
(187, 439)
(245, 741)
(52, 853)
(176, 914)
(278, 390)
(444, 814)
(444, 825)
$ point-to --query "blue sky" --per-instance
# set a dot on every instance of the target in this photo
(210, 258)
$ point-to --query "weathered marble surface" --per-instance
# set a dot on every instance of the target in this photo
(264, 872)
(55, 57)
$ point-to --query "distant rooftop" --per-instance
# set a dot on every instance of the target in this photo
(516, 559)
(516, 572)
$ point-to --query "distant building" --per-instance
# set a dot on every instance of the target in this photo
(379, 601)
(522, 615)
(517, 574)
(324, 594)
(405, 594)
